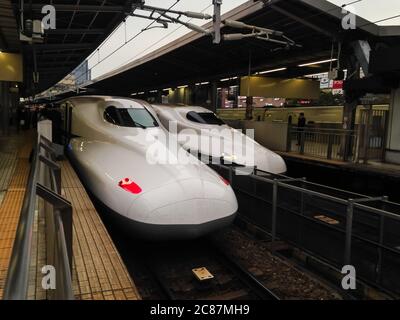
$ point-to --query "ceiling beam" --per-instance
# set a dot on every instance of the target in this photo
(63, 46)
(73, 7)
(303, 21)
(74, 31)
(58, 55)
(3, 41)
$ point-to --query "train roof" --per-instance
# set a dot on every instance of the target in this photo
(184, 108)
(109, 100)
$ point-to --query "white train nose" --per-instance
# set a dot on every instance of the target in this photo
(185, 202)
(269, 161)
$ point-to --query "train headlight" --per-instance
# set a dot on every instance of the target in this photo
(130, 186)
(230, 158)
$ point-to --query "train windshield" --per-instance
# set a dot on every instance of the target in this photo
(134, 118)
(204, 117)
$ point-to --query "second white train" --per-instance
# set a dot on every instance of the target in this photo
(195, 125)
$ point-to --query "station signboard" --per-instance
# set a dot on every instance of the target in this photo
(11, 68)
(257, 86)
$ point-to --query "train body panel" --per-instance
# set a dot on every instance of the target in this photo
(168, 199)
(217, 139)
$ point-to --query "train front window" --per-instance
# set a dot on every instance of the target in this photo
(204, 117)
(134, 118)
(111, 115)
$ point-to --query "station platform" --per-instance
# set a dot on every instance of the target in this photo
(373, 167)
(98, 271)
(374, 178)
(14, 171)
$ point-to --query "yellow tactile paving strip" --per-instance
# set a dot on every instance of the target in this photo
(99, 272)
(10, 209)
(7, 167)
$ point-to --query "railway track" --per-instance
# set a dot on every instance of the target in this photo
(174, 279)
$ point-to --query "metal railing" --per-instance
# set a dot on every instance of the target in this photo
(372, 133)
(331, 144)
(44, 185)
(339, 227)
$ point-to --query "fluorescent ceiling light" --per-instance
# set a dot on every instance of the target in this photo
(134, 94)
(227, 79)
(271, 71)
(316, 62)
(181, 87)
(141, 92)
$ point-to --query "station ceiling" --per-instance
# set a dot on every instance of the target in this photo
(81, 26)
(8, 28)
(312, 24)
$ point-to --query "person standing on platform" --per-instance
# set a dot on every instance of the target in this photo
(300, 127)
(19, 118)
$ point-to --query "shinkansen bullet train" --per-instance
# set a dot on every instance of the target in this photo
(200, 124)
(110, 140)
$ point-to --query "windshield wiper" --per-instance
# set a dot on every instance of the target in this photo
(139, 124)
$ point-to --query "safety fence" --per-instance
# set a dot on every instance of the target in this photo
(42, 199)
(331, 144)
(339, 227)
(366, 142)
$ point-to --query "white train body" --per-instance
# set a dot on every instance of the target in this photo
(202, 122)
(110, 139)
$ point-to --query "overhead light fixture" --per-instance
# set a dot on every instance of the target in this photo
(227, 79)
(317, 62)
(141, 92)
(273, 70)
(134, 94)
(202, 83)
(182, 87)
(167, 89)
(153, 91)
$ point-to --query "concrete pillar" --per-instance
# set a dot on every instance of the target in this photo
(249, 108)
(5, 106)
(159, 98)
(350, 106)
(214, 96)
(45, 129)
(393, 135)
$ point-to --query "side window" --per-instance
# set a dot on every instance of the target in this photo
(111, 115)
(193, 116)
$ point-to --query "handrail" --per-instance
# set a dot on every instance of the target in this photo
(328, 130)
(17, 281)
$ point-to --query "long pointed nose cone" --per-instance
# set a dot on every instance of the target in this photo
(186, 208)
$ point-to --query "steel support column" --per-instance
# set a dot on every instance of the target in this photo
(5, 106)
(214, 96)
(350, 106)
